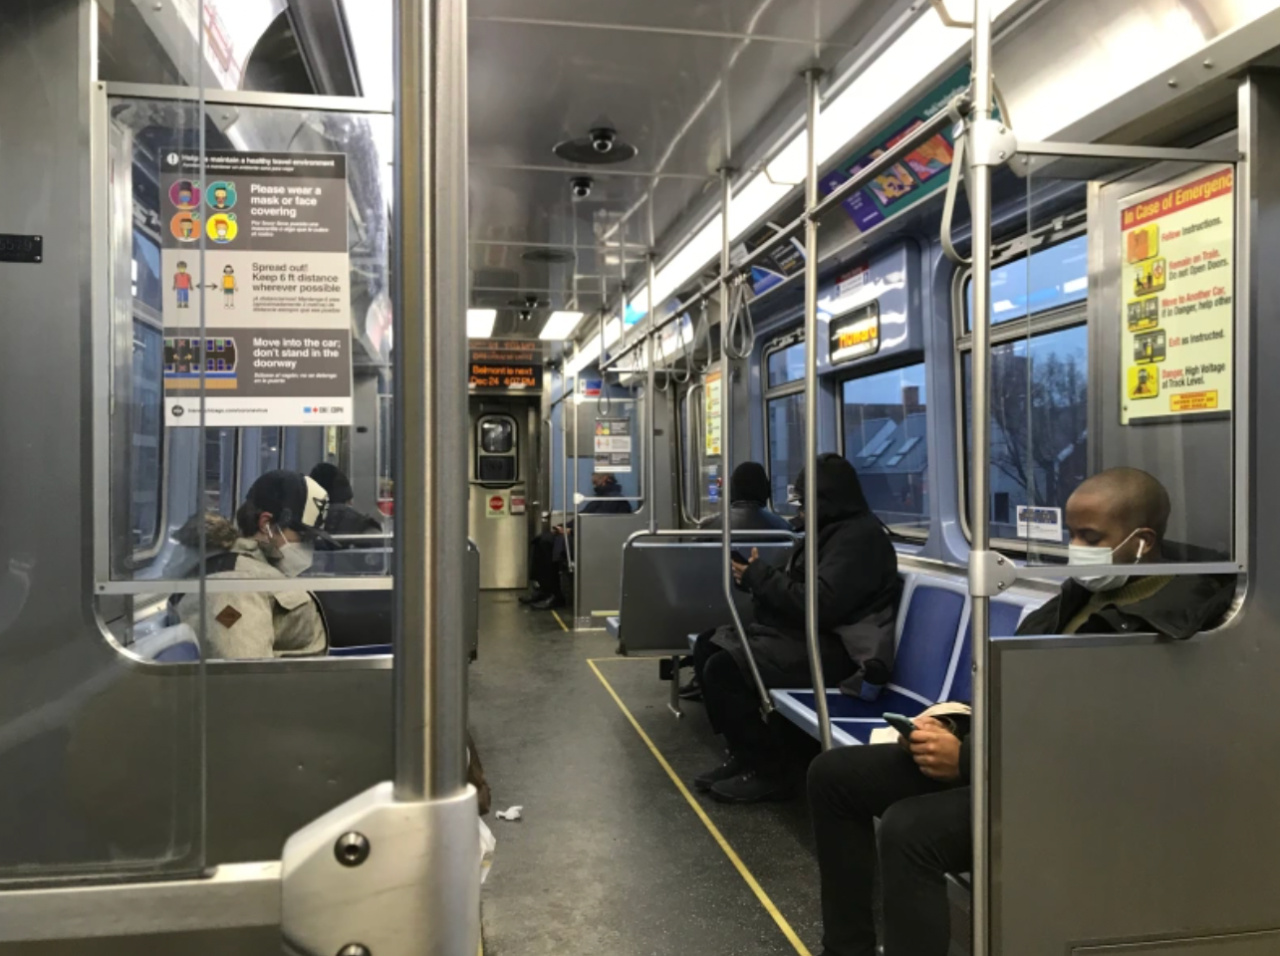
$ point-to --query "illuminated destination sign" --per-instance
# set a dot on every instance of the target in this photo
(855, 334)
(506, 365)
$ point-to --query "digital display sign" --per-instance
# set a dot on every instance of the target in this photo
(855, 334)
(506, 365)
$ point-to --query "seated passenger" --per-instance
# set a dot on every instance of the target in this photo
(749, 502)
(342, 518)
(549, 551)
(857, 576)
(920, 790)
(275, 526)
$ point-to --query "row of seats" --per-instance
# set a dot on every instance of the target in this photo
(933, 659)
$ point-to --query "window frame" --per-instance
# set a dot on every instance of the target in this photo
(1025, 328)
(777, 344)
(914, 535)
(144, 554)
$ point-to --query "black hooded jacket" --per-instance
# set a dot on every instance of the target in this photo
(857, 575)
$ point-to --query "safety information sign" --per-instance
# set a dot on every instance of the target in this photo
(613, 446)
(273, 278)
(1176, 342)
(1039, 524)
(711, 415)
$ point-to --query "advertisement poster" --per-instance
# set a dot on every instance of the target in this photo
(273, 279)
(1178, 284)
(505, 365)
(776, 267)
(613, 446)
(711, 415)
(920, 174)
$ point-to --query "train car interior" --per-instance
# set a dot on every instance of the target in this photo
(552, 477)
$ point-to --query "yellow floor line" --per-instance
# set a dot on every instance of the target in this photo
(556, 615)
(736, 860)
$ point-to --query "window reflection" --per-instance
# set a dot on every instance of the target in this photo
(884, 418)
(786, 365)
(1039, 422)
(786, 445)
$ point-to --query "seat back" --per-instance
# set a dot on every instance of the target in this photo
(671, 588)
(933, 611)
(1005, 618)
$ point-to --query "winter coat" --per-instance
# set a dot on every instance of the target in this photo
(1181, 609)
(750, 516)
(251, 625)
(857, 576)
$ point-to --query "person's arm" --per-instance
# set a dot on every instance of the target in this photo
(850, 575)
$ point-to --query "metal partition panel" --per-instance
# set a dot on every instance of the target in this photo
(671, 589)
(598, 541)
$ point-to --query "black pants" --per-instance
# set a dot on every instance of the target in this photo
(925, 833)
(733, 707)
(543, 567)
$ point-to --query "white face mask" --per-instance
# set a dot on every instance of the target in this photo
(1083, 554)
(293, 558)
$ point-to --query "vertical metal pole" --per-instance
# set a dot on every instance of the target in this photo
(812, 79)
(650, 405)
(979, 179)
(726, 440)
(577, 591)
(430, 283)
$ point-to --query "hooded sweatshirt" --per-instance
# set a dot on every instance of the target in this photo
(857, 564)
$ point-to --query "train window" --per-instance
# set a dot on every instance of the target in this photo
(1039, 374)
(784, 415)
(883, 433)
(786, 364)
(785, 422)
(1039, 415)
(497, 436)
(146, 447)
(1059, 276)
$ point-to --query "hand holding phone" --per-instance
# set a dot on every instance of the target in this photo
(739, 558)
(903, 725)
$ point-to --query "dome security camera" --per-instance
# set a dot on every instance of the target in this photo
(525, 315)
(580, 186)
(603, 138)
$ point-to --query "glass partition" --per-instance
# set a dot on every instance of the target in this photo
(1113, 417)
(257, 241)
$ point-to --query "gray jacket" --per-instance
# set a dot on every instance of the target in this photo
(255, 625)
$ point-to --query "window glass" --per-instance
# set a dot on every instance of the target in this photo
(1059, 277)
(786, 446)
(884, 438)
(786, 365)
(145, 270)
(145, 447)
(1039, 413)
(497, 436)
(219, 471)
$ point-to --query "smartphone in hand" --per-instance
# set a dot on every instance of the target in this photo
(901, 724)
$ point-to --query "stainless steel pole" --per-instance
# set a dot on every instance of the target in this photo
(812, 79)
(430, 283)
(979, 178)
(651, 406)
(726, 441)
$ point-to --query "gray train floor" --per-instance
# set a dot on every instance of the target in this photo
(610, 856)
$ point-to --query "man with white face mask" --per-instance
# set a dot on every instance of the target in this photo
(1119, 517)
(919, 790)
(272, 540)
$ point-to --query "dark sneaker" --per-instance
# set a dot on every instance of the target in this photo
(534, 598)
(548, 602)
(731, 768)
(752, 787)
(691, 690)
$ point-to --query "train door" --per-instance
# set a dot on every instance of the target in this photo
(502, 475)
